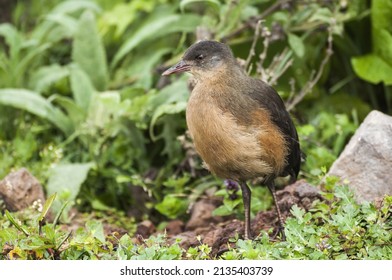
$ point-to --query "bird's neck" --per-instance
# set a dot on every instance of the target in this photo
(216, 82)
(226, 89)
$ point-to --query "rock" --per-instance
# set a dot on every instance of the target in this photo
(174, 227)
(187, 239)
(20, 190)
(366, 162)
(202, 214)
(145, 229)
(301, 193)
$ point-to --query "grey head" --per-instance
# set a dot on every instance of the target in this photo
(203, 57)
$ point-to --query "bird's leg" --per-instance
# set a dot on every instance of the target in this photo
(246, 194)
(271, 187)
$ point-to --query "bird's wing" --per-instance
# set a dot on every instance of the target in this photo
(269, 99)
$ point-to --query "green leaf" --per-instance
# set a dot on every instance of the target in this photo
(296, 44)
(172, 206)
(15, 223)
(76, 114)
(142, 67)
(59, 213)
(122, 15)
(72, 6)
(46, 207)
(12, 37)
(88, 51)
(28, 58)
(382, 44)
(82, 88)
(162, 26)
(67, 177)
(377, 66)
(164, 109)
(104, 107)
(175, 92)
(382, 14)
(215, 4)
(372, 68)
(345, 194)
(96, 229)
(298, 213)
(44, 77)
(222, 211)
(322, 14)
(68, 23)
(37, 105)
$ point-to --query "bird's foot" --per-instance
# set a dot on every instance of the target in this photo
(279, 232)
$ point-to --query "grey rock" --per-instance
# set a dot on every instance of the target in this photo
(20, 190)
(366, 162)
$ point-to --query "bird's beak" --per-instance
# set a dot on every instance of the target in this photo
(178, 68)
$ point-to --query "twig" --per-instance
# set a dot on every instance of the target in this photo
(292, 88)
(266, 34)
(314, 78)
(252, 49)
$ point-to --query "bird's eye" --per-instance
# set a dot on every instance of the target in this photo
(199, 57)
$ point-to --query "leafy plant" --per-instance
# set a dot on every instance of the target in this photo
(336, 228)
(339, 228)
(83, 106)
(376, 66)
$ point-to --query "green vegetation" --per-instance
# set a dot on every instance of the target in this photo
(83, 107)
(336, 228)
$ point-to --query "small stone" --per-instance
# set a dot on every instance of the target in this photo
(20, 190)
(145, 229)
(300, 193)
(175, 227)
(202, 214)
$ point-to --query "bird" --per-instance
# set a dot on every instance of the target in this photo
(239, 124)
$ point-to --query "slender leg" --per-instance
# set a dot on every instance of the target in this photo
(246, 194)
(271, 187)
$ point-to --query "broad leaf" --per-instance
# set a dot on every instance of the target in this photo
(88, 51)
(372, 68)
(12, 37)
(76, 114)
(173, 108)
(296, 44)
(37, 105)
(215, 4)
(44, 77)
(162, 26)
(66, 180)
(71, 6)
(82, 88)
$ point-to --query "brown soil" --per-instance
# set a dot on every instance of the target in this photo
(217, 231)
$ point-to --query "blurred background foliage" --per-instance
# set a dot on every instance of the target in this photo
(84, 108)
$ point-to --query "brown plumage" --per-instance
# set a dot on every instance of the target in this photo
(239, 124)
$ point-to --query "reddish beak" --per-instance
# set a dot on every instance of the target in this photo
(178, 68)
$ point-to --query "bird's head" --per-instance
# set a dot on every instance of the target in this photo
(204, 59)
